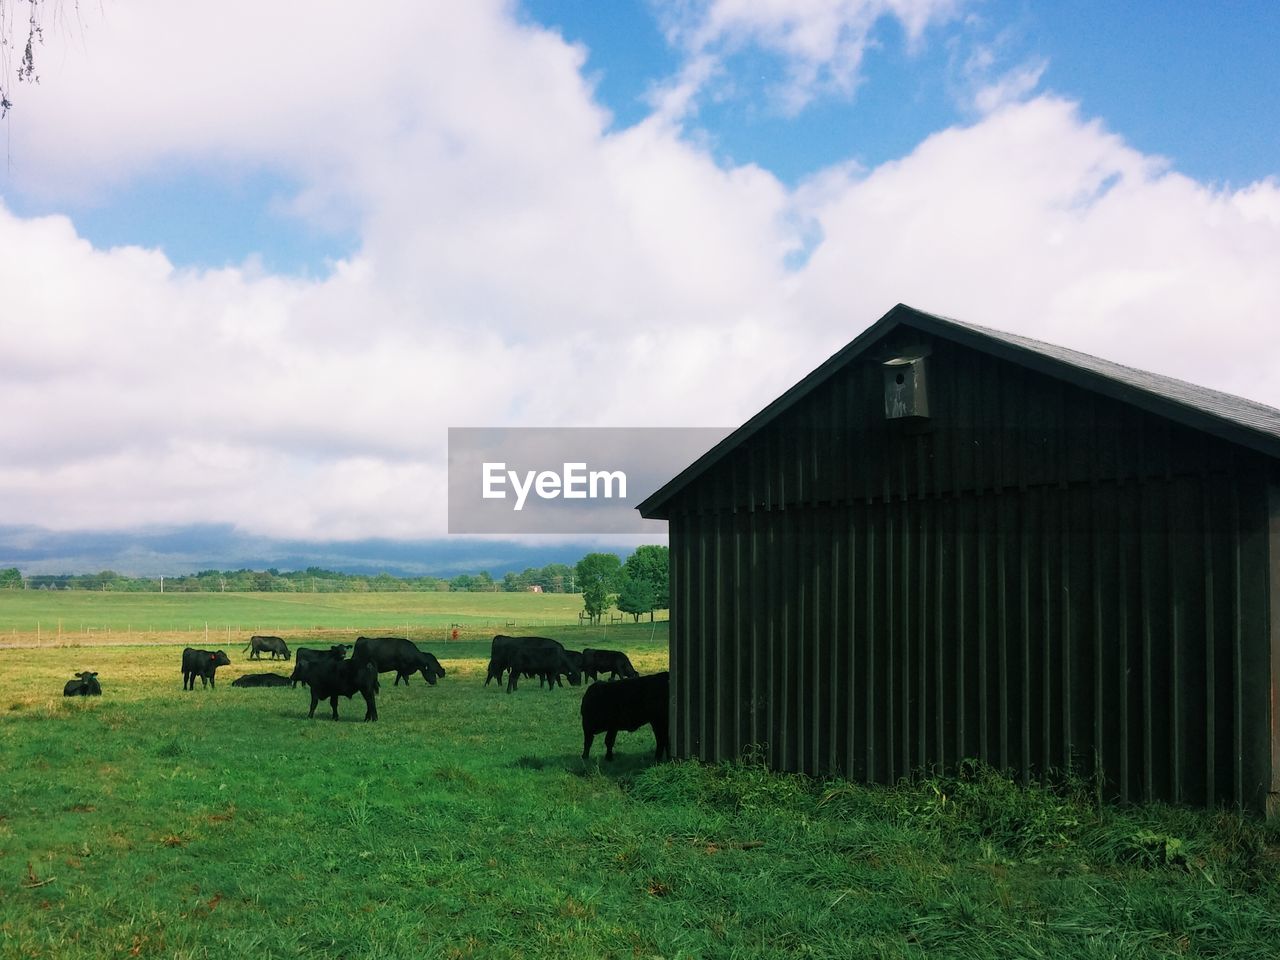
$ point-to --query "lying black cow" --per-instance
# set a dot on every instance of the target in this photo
(613, 662)
(202, 664)
(626, 705)
(330, 679)
(307, 656)
(262, 680)
(530, 656)
(398, 654)
(85, 685)
(273, 645)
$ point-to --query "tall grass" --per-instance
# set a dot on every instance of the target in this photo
(157, 823)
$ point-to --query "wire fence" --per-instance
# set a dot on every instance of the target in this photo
(63, 634)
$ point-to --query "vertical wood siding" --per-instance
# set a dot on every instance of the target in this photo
(1037, 577)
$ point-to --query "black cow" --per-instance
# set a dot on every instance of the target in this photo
(572, 662)
(262, 680)
(626, 705)
(202, 664)
(330, 679)
(398, 654)
(500, 657)
(307, 656)
(85, 685)
(273, 645)
(540, 656)
(613, 662)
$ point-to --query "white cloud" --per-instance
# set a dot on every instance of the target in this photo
(521, 264)
(1036, 221)
(821, 42)
(1011, 86)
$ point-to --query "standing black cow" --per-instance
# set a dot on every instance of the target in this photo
(202, 664)
(262, 680)
(613, 662)
(273, 645)
(540, 656)
(307, 656)
(626, 705)
(85, 685)
(398, 654)
(572, 662)
(330, 679)
(500, 654)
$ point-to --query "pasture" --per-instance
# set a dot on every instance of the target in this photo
(38, 617)
(156, 823)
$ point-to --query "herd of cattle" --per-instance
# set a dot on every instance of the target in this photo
(627, 701)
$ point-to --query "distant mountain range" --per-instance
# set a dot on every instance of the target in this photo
(180, 550)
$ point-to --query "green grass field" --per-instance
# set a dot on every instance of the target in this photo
(156, 823)
(29, 617)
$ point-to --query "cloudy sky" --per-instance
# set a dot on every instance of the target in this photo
(256, 259)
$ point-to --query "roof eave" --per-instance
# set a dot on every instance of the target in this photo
(656, 506)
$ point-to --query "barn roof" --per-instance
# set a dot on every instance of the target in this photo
(1235, 419)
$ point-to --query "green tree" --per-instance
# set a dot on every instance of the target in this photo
(595, 601)
(598, 575)
(604, 568)
(635, 598)
(11, 579)
(554, 577)
(386, 583)
(651, 565)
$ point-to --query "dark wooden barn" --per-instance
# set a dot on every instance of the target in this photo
(949, 542)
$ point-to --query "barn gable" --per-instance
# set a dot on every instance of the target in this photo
(904, 330)
(948, 542)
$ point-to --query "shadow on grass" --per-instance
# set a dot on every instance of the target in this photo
(621, 766)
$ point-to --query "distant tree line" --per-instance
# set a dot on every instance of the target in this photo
(637, 586)
(599, 571)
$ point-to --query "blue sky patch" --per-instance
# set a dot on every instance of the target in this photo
(203, 221)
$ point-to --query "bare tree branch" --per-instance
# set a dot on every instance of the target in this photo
(13, 13)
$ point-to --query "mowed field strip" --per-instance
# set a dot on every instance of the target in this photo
(152, 822)
(30, 617)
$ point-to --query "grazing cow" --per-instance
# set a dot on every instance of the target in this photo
(572, 661)
(614, 662)
(330, 679)
(273, 645)
(530, 656)
(506, 650)
(626, 705)
(307, 656)
(85, 685)
(202, 664)
(262, 680)
(398, 654)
